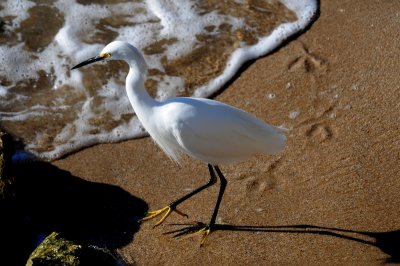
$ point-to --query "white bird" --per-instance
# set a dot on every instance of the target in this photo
(207, 130)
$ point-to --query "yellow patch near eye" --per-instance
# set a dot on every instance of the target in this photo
(107, 55)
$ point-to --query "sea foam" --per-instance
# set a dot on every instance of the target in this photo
(56, 111)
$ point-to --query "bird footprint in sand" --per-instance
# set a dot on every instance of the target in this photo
(308, 62)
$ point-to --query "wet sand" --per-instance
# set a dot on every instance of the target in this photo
(332, 197)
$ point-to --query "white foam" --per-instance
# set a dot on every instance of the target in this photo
(17, 9)
(3, 91)
(305, 10)
(175, 84)
(177, 20)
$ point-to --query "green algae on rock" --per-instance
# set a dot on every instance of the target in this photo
(57, 250)
(6, 189)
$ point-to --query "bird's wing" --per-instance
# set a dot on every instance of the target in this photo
(213, 131)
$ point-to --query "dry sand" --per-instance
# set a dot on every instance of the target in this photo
(332, 197)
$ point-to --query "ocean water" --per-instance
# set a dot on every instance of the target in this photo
(192, 48)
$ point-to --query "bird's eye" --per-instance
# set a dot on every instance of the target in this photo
(106, 55)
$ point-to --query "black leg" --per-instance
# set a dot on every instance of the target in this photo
(202, 227)
(212, 181)
(172, 206)
(222, 187)
(208, 228)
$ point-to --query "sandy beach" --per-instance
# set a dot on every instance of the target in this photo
(332, 197)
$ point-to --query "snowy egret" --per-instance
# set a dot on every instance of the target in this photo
(207, 130)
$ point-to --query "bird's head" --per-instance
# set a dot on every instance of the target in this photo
(116, 50)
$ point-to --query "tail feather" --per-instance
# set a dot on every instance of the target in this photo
(269, 139)
(275, 141)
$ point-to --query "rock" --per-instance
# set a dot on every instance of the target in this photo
(6, 181)
(6, 189)
(2, 160)
(57, 250)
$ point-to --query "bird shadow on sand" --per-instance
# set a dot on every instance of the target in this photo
(387, 242)
(49, 199)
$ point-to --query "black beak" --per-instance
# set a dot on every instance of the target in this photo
(89, 61)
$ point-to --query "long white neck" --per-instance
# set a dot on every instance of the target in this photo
(140, 99)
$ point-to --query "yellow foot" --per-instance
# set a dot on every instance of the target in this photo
(207, 231)
(167, 210)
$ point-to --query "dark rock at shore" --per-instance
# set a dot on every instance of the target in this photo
(6, 181)
(57, 250)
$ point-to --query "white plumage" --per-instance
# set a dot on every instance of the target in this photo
(207, 130)
(214, 132)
